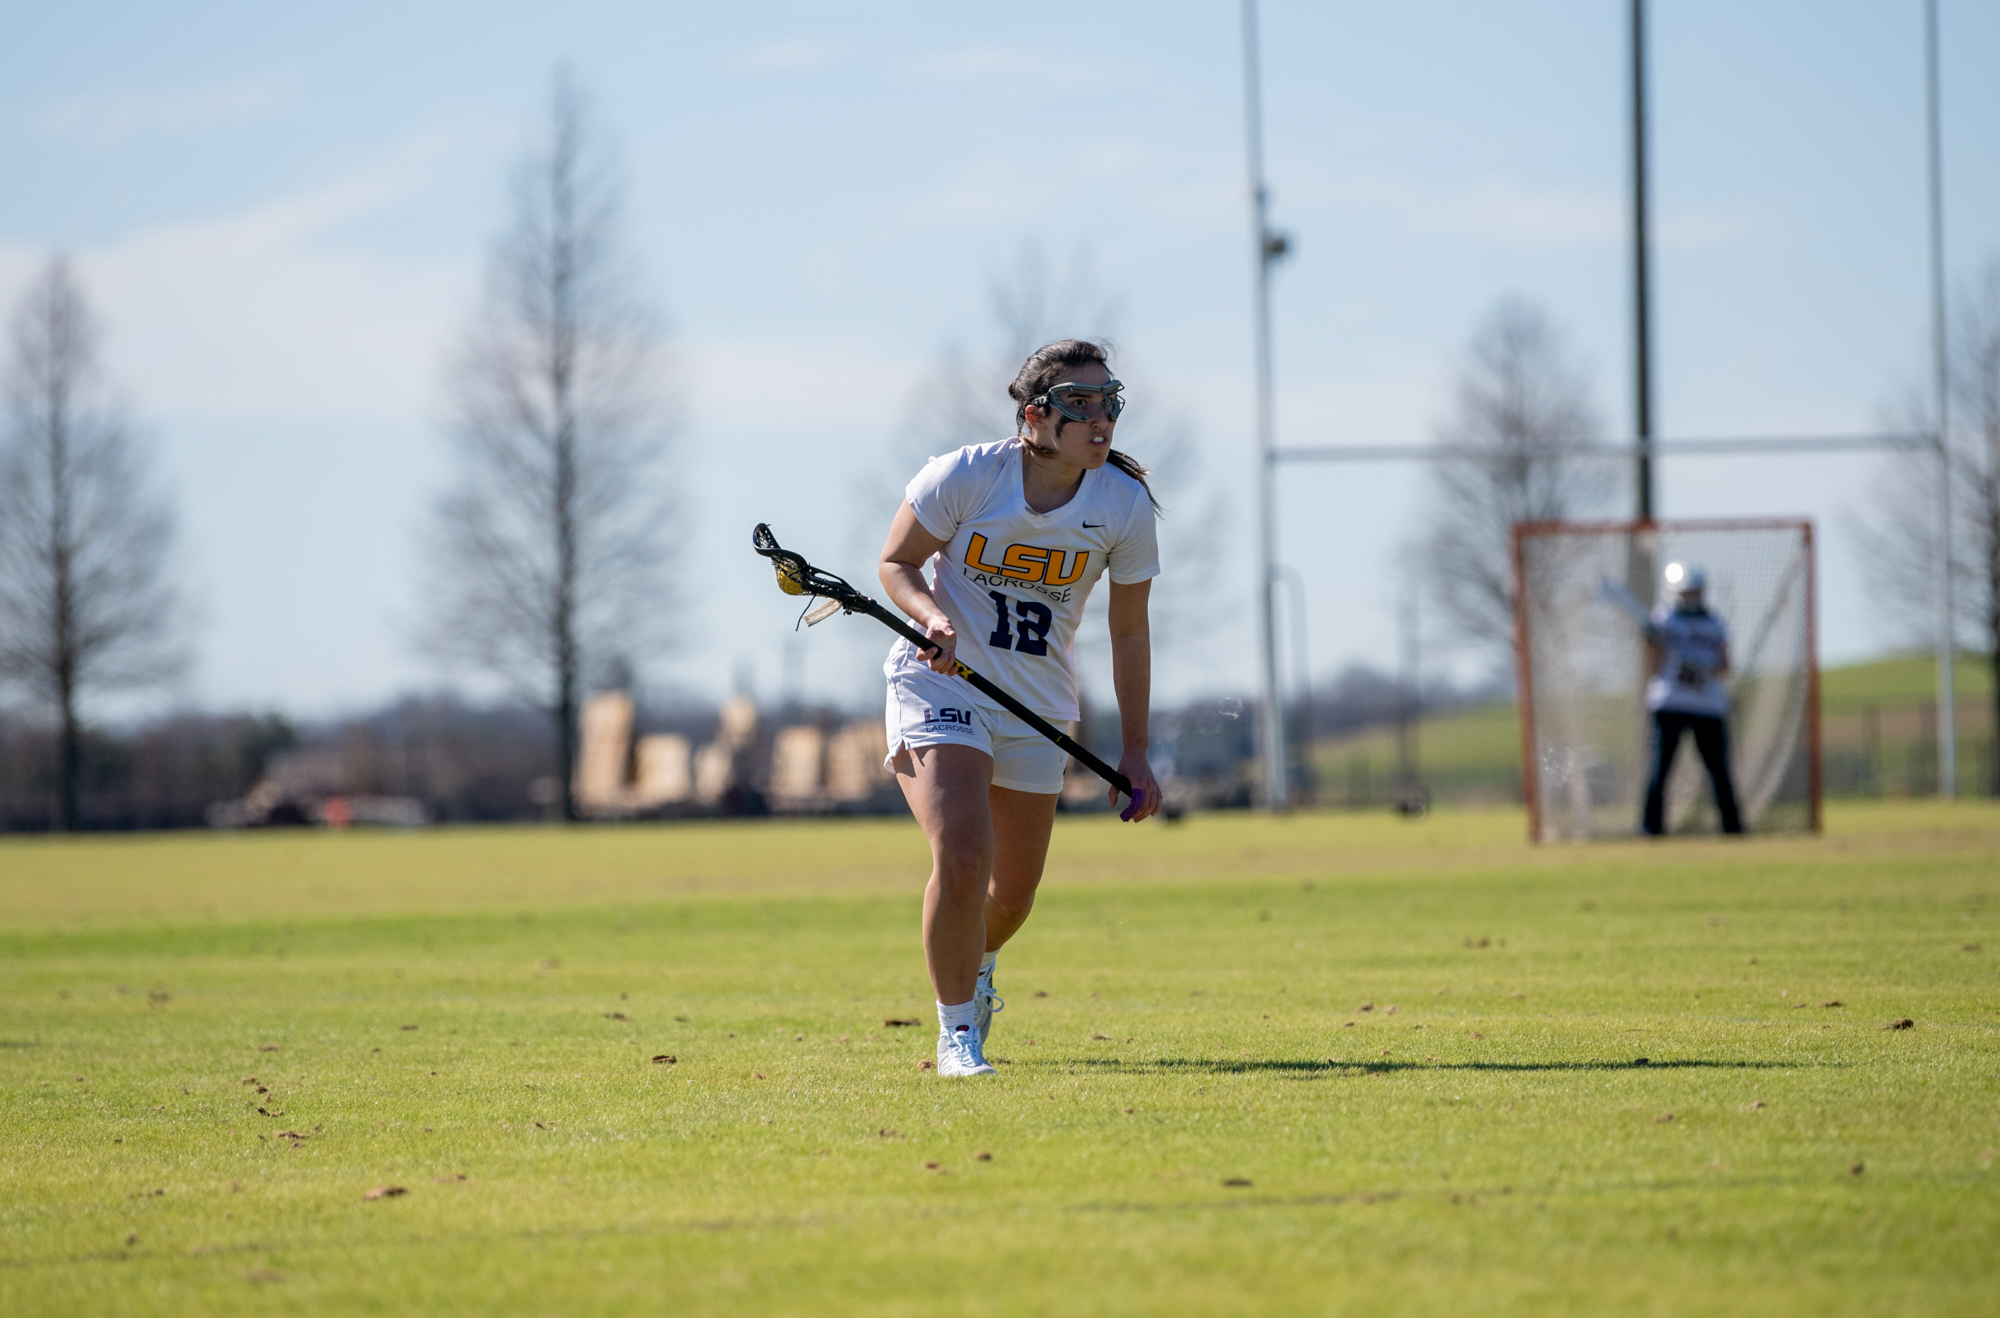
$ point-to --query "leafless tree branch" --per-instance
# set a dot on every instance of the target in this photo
(86, 600)
(553, 550)
(1527, 407)
(1898, 539)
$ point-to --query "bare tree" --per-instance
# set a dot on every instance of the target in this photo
(1899, 542)
(86, 603)
(1526, 413)
(553, 547)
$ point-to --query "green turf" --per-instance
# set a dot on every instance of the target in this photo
(1903, 680)
(1474, 751)
(1483, 1140)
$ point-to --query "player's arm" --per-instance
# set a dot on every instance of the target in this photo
(1722, 661)
(904, 554)
(1132, 680)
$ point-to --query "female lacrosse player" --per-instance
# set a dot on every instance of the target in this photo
(1019, 530)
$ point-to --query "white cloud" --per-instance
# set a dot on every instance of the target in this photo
(786, 57)
(1507, 210)
(1219, 197)
(1512, 212)
(264, 313)
(995, 191)
(1701, 230)
(1040, 63)
(999, 188)
(104, 120)
(956, 64)
(840, 385)
(1396, 402)
(977, 62)
(1560, 217)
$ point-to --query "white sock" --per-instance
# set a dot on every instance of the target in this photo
(986, 962)
(954, 1018)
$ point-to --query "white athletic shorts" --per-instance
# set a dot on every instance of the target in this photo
(928, 708)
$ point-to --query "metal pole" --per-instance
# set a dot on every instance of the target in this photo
(1947, 696)
(1301, 659)
(1268, 246)
(1642, 337)
(1407, 711)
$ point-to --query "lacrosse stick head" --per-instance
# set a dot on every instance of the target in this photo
(798, 577)
(794, 573)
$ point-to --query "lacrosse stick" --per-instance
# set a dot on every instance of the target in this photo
(798, 577)
(1619, 597)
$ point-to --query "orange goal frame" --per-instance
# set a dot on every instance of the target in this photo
(1524, 684)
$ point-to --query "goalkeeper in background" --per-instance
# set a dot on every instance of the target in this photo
(1687, 651)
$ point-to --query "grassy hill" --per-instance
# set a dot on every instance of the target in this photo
(1902, 680)
(1877, 724)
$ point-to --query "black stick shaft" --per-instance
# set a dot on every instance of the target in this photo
(1020, 711)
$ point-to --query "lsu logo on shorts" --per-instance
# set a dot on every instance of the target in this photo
(948, 715)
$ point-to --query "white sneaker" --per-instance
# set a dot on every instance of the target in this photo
(959, 1053)
(984, 1003)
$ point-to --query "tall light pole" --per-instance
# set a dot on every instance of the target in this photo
(1947, 693)
(1269, 247)
(1642, 315)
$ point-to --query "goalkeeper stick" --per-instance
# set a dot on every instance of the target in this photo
(1619, 597)
(798, 577)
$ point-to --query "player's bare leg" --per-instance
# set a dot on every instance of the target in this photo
(1022, 823)
(947, 788)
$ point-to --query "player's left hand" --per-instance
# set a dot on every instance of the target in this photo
(1145, 788)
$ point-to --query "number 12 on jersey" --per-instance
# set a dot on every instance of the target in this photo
(1034, 618)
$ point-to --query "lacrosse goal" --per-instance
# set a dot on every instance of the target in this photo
(1580, 662)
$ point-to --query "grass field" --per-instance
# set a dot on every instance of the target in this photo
(1200, 1113)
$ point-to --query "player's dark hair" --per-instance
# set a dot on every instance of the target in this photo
(1046, 366)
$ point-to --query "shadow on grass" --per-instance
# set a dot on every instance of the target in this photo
(1235, 1201)
(1331, 1066)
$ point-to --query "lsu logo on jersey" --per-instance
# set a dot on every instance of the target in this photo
(1028, 564)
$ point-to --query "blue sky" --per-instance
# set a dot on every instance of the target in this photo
(281, 216)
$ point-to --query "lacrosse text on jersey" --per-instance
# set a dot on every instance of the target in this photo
(1013, 581)
(1025, 565)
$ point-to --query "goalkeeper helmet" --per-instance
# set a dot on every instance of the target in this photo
(1686, 581)
(1684, 577)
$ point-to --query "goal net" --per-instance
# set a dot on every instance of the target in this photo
(1581, 665)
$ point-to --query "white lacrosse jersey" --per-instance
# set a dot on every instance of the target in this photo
(1686, 682)
(1013, 581)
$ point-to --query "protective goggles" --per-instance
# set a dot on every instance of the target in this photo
(1085, 402)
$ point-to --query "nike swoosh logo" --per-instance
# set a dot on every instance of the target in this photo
(1093, 526)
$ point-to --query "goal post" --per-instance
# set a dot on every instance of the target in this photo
(1581, 670)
